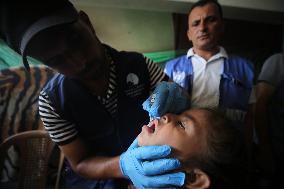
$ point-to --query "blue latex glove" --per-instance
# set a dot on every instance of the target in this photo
(142, 166)
(168, 97)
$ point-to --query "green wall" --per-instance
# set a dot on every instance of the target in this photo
(134, 30)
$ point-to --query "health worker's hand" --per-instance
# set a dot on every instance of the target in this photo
(148, 167)
(168, 97)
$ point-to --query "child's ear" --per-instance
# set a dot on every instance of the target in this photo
(197, 179)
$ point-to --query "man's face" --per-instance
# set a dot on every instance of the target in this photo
(185, 133)
(72, 50)
(205, 27)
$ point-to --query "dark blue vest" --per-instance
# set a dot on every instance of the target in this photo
(105, 134)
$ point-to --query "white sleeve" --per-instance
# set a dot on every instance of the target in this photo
(61, 131)
(155, 72)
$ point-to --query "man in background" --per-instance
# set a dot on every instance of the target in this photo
(212, 77)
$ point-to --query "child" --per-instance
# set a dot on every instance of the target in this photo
(209, 148)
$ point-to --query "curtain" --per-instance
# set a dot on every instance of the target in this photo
(9, 58)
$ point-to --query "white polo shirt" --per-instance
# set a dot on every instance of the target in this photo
(206, 78)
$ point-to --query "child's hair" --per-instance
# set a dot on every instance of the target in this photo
(224, 158)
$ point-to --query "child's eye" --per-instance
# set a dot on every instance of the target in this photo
(180, 124)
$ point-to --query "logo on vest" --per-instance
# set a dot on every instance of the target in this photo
(134, 88)
(132, 79)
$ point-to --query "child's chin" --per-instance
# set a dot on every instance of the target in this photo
(142, 141)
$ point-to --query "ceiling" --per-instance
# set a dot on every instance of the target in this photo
(270, 11)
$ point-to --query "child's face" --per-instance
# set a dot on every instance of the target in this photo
(185, 133)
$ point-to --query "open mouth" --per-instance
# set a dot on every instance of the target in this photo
(152, 126)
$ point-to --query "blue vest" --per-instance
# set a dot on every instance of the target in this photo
(235, 85)
(105, 134)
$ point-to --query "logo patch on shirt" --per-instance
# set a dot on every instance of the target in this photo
(179, 77)
(132, 79)
(133, 87)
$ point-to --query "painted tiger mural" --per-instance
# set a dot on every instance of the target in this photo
(19, 92)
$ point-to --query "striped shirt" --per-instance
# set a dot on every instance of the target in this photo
(61, 130)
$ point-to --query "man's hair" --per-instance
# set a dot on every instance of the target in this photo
(224, 157)
(202, 3)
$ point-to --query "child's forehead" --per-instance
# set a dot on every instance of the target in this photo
(200, 117)
(195, 113)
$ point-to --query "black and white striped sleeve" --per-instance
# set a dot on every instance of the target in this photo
(61, 131)
(155, 72)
